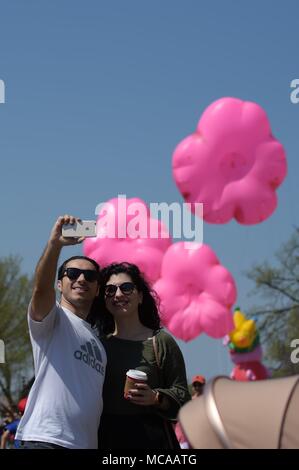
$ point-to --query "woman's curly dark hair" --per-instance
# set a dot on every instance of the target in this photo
(148, 310)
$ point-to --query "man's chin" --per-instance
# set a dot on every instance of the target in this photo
(81, 299)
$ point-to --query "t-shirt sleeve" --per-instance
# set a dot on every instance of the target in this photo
(44, 328)
(173, 374)
(41, 334)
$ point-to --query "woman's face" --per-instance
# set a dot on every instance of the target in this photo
(121, 296)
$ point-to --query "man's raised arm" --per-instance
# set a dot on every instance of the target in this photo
(43, 297)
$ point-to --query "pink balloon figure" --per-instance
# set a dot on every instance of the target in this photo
(126, 232)
(231, 163)
(196, 292)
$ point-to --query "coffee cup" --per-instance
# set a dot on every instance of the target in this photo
(133, 377)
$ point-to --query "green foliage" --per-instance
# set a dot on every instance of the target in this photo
(278, 321)
(15, 292)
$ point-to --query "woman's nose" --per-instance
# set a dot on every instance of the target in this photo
(118, 292)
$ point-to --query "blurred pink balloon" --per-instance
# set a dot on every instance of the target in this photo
(196, 292)
(232, 163)
(126, 232)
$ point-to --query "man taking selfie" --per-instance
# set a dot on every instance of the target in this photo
(65, 402)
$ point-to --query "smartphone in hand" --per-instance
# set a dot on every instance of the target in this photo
(84, 228)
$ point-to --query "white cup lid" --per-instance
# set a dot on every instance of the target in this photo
(137, 374)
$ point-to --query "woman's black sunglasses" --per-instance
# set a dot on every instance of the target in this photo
(89, 274)
(126, 288)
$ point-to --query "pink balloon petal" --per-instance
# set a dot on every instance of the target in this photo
(124, 233)
(232, 163)
(196, 292)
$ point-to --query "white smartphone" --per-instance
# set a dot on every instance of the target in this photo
(84, 228)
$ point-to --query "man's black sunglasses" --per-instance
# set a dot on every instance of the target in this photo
(89, 274)
(126, 288)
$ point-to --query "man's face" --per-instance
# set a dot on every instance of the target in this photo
(78, 291)
(197, 389)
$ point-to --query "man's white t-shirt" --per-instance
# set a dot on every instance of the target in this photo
(65, 403)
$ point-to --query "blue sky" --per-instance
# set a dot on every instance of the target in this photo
(99, 93)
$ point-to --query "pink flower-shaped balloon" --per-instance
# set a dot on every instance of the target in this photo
(126, 232)
(232, 163)
(196, 292)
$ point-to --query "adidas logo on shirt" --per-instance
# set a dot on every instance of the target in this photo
(91, 355)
